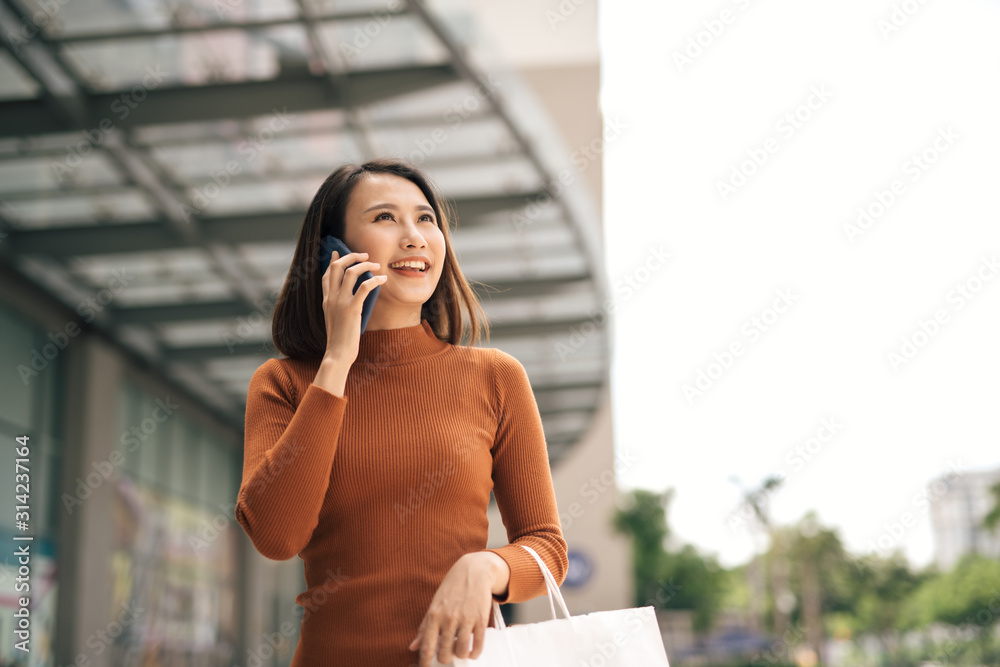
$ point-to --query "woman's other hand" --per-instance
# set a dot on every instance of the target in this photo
(455, 623)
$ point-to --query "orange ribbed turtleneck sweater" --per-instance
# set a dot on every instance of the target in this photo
(382, 490)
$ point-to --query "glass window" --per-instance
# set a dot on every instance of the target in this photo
(126, 205)
(382, 40)
(189, 450)
(128, 441)
(189, 59)
(176, 547)
(40, 173)
(30, 409)
(154, 439)
(19, 346)
(224, 475)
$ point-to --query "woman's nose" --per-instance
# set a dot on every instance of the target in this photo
(413, 237)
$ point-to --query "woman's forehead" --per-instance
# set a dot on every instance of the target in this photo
(389, 188)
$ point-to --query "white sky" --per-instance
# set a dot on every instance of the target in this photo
(826, 356)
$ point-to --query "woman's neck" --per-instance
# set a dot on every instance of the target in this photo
(394, 318)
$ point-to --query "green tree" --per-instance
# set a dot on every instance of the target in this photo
(882, 588)
(819, 565)
(992, 520)
(645, 520)
(758, 500)
(700, 585)
(968, 596)
(684, 579)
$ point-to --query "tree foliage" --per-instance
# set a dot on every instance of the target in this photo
(682, 579)
(992, 519)
(968, 595)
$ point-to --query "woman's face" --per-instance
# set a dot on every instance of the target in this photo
(389, 218)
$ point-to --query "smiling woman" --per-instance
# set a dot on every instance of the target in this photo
(372, 455)
(403, 239)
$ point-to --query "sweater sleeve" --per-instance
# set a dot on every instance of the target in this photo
(522, 485)
(288, 456)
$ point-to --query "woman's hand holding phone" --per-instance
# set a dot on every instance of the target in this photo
(342, 311)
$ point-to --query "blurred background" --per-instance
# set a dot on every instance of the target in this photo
(156, 161)
(744, 252)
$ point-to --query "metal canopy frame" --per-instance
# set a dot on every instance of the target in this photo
(544, 281)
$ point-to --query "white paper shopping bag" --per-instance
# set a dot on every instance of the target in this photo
(618, 638)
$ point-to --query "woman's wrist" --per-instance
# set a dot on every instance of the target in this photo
(332, 375)
(500, 572)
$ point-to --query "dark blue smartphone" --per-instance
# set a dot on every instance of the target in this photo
(329, 245)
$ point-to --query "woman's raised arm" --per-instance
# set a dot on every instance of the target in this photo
(288, 455)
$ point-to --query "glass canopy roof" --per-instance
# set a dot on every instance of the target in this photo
(118, 114)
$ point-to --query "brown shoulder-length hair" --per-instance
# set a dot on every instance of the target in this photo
(298, 327)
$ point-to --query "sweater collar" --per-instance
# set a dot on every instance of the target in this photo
(388, 347)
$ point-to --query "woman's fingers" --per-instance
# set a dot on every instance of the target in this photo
(372, 283)
(415, 644)
(454, 642)
(359, 268)
(447, 643)
(347, 260)
(429, 643)
(463, 641)
(478, 638)
(339, 262)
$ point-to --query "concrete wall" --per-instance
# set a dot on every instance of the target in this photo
(569, 91)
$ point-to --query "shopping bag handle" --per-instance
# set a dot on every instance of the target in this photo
(550, 584)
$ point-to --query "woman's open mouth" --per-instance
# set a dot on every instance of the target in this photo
(410, 268)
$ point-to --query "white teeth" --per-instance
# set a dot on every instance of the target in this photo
(410, 264)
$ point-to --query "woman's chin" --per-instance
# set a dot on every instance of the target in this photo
(401, 303)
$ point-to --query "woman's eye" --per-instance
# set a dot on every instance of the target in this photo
(425, 218)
